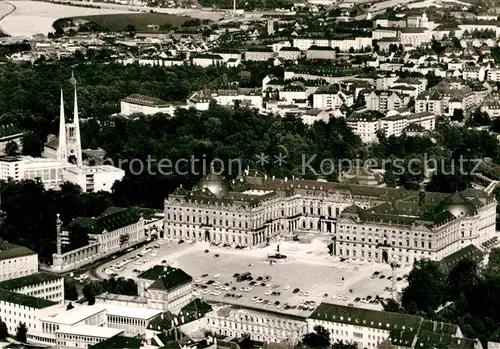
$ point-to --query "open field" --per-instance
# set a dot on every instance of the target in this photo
(33, 17)
(307, 267)
(117, 22)
(194, 13)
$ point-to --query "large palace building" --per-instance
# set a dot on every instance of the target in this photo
(368, 223)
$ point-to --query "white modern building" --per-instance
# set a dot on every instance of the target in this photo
(140, 104)
(49, 171)
(200, 100)
(16, 308)
(40, 285)
(93, 178)
(367, 124)
(330, 97)
(16, 261)
(83, 336)
(357, 43)
(395, 123)
(132, 320)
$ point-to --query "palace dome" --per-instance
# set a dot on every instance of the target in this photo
(458, 205)
(215, 184)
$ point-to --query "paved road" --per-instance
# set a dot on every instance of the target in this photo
(11, 9)
(382, 6)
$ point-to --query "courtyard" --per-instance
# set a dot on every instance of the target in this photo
(308, 268)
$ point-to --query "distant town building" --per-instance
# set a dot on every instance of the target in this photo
(10, 133)
(140, 104)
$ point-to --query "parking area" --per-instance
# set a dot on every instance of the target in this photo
(294, 285)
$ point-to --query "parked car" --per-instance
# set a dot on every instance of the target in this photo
(297, 290)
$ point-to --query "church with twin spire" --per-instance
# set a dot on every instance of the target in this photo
(67, 146)
(62, 159)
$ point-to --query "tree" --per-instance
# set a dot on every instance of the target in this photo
(495, 125)
(478, 118)
(21, 332)
(91, 300)
(70, 306)
(341, 345)
(392, 306)
(450, 178)
(320, 338)
(458, 115)
(130, 28)
(386, 345)
(70, 291)
(463, 278)
(4, 332)
(11, 148)
(426, 287)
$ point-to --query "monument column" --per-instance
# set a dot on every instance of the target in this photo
(57, 258)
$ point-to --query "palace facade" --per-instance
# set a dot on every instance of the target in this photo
(377, 224)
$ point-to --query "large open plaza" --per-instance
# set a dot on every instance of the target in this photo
(307, 267)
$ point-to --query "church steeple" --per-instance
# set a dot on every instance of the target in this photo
(62, 152)
(74, 142)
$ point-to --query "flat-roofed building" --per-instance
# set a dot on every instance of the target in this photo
(16, 261)
(84, 336)
(166, 288)
(141, 104)
(49, 171)
(81, 315)
(132, 320)
(93, 178)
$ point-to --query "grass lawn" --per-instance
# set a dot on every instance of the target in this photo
(117, 22)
